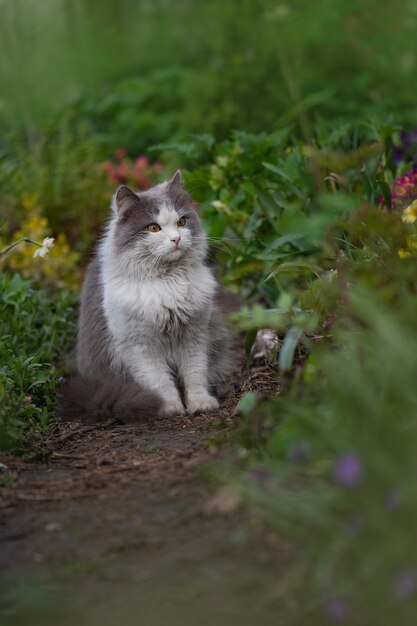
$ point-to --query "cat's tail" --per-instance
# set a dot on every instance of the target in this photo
(110, 398)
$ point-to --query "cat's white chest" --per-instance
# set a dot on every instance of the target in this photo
(176, 300)
(160, 304)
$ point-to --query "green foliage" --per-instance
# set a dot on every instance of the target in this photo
(37, 331)
(272, 201)
(291, 174)
(64, 180)
(333, 459)
(136, 113)
(341, 469)
(61, 176)
(250, 182)
(245, 64)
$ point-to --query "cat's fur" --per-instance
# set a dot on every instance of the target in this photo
(150, 339)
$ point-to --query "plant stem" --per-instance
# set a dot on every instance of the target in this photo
(12, 245)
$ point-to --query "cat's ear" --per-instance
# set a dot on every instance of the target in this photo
(180, 196)
(176, 181)
(125, 201)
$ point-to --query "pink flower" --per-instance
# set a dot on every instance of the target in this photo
(141, 163)
(142, 181)
(112, 172)
(158, 167)
(126, 171)
(120, 153)
(404, 190)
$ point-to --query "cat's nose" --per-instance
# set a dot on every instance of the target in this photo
(176, 240)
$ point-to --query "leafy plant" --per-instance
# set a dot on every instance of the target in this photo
(58, 269)
(331, 461)
(338, 467)
(64, 187)
(60, 179)
(274, 201)
(149, 72)
(37, 330)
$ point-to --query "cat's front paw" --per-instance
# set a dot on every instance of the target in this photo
(201, 403)
(171, 409)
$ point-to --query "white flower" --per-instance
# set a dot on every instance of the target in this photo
(47, 245)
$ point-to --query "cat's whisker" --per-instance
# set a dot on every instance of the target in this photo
(240, 239)
(212, 259)
(220, 244)
(196, 185)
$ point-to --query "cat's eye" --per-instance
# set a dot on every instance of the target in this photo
(154, 228)
(182, 221)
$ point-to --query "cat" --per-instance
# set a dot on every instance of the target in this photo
(151, 341)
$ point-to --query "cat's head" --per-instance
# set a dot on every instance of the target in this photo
(157, 226)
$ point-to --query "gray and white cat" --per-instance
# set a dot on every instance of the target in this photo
(150, 339)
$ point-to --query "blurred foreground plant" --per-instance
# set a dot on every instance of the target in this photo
(332, 462)
(341, 466)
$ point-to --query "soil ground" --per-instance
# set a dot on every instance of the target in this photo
(121, 525)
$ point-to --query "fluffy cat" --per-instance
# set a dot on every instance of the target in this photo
(150, 337)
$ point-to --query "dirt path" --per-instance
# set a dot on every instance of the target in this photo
(120, 524)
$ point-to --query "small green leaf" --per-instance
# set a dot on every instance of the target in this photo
(286, 355)
(386, 191)
(288, 238)
(273, 207)
(246, 403)
(276, 170)
(249, 341)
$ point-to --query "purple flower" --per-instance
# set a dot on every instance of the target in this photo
(348, 470)
(405, 584)
(407, 150)
(338, 610)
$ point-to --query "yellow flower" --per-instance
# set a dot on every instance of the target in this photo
(409, 215)
(411, 245)
(403, 254)
(30, 201)
(412, 242)
(60, 266)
